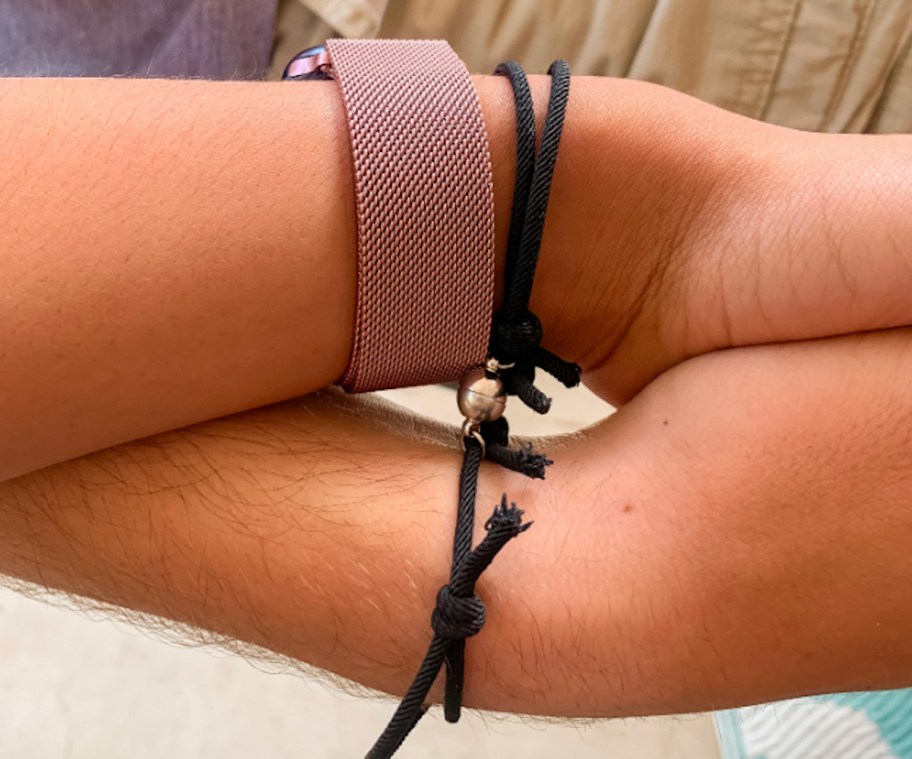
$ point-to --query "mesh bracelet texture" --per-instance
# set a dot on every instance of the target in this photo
(515, 354)
(514, 350)
(424, 201)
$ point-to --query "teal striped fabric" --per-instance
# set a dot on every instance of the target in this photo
(875, 725)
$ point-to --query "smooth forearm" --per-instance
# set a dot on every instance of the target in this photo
(169, 251)
(173, 251)
(766, 235)
(817, 244)
(166, 257)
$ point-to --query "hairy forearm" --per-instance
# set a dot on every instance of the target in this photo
(771, 542)
(737, 533)
(313, 528)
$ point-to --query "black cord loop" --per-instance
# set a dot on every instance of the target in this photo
(517, 332)
(457, 617)
(516, 336)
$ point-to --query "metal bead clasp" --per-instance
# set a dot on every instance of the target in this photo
(481, 398)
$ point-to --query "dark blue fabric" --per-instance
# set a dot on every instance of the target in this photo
(210, 39)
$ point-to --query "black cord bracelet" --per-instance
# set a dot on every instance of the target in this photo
(514, 354)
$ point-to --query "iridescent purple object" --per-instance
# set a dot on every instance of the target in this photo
(311, 63)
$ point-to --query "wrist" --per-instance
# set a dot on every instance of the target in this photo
(643, 176)
(810, 241)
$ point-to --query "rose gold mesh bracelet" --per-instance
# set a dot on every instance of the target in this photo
(424, 197)
(515, 346)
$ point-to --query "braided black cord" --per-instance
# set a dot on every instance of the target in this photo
(525, 162)
(515, 337)
(516, 333)
(520, 291)
(522, 256)
(454, 601)
(496, 435)
(462, 545)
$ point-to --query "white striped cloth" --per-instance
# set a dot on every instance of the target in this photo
(875, 725)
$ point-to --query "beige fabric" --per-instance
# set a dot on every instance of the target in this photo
(351, 18)
(297, 27)
(823, 65)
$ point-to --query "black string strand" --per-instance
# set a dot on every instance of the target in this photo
(516, 332)
(515, 343)
(532, 174)
(455, 602)
(454, 651)
(520, 291)
(525, 162)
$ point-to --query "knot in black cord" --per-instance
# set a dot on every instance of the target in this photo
(516, 341)
(457, 617)
(515, 337)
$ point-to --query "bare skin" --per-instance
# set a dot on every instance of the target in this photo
(752, 547)
(736, 533)
(173, 251)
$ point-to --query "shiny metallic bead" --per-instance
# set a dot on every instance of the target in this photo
(481, 396)
(307, 62)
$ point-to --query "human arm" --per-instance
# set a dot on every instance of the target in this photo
(736, 533)
(173, 251)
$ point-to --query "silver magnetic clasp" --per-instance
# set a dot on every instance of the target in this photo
(481, 398)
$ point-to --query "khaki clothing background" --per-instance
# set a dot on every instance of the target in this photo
(820, 65)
